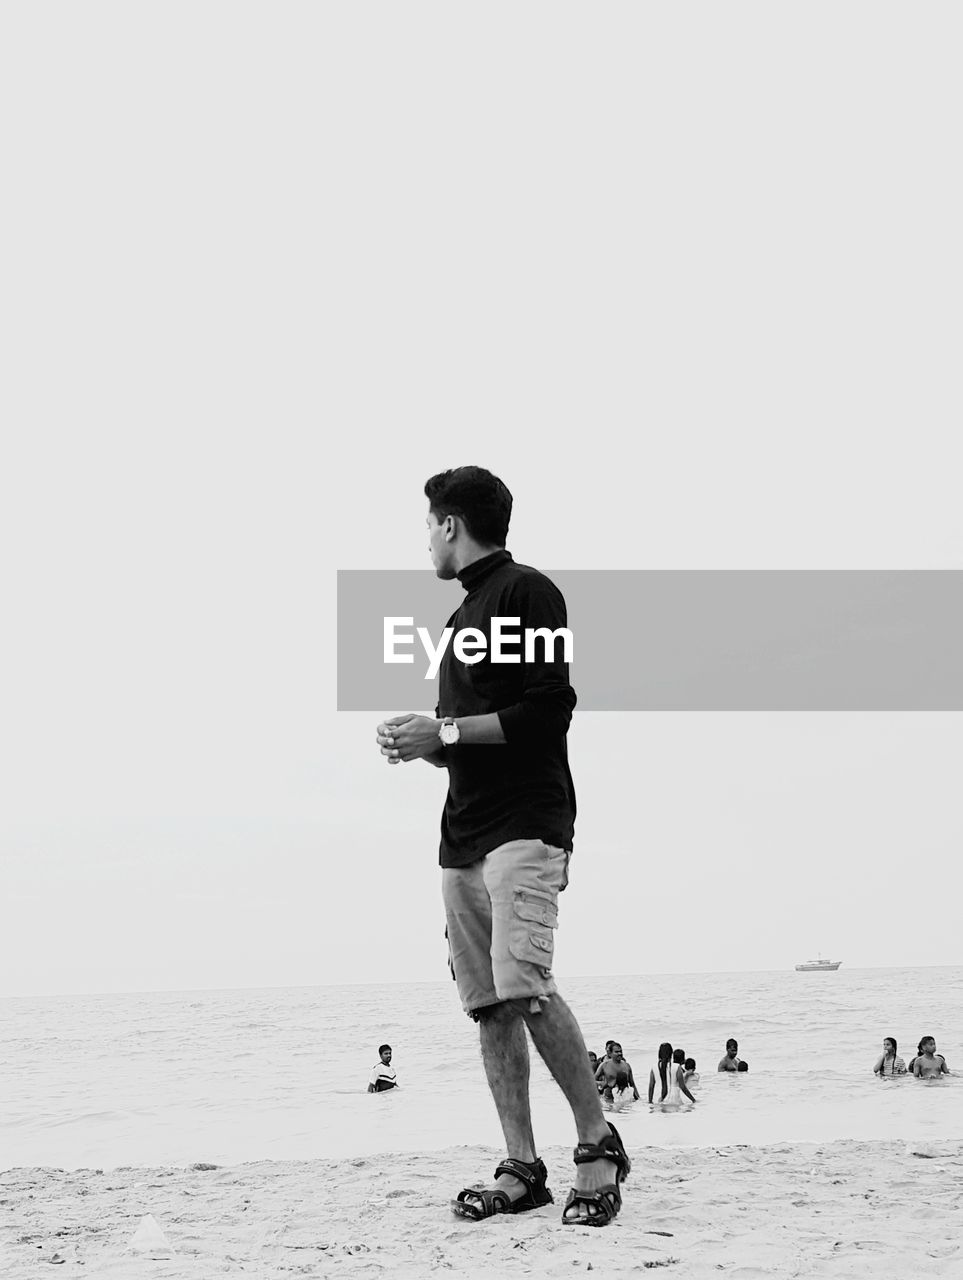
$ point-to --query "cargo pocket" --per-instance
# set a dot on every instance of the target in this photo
(534, 917)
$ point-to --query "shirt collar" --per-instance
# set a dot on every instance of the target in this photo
(479, 570)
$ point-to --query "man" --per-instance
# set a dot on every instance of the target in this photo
(383, 1075)
(730, 1062)
(608, 1070)
(506, 838)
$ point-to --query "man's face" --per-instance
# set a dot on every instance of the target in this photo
(617, 1052)
(386, 1056)
(732, 1048)
(439, 548)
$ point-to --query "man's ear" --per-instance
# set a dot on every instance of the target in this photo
(450, 528)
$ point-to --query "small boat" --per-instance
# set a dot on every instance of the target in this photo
(819, 966)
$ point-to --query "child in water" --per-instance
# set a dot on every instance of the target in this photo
(890, 1063)
(623, 1095)
(929, 1064)
(690, 1075)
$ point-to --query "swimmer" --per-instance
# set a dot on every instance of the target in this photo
(890, 1063)
(691, 1076)
(623, 1095)
(608, 1070)
(383, 1076)
(731, 1061)
(929, 1064)
(669, 1076)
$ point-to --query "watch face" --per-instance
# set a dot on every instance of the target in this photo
(449, 734)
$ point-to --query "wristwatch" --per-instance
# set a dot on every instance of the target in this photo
(449, 732)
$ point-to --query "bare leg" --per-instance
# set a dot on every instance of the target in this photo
(504, 1051)
(559, 1040)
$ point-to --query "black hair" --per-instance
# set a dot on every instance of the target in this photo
(621, 1079)
(919, 1047)
(732, 1041)
(481, 500)
(743, 1066)
(690, 1064)
(679, 1056)
(665, 1057)
(382, 1047)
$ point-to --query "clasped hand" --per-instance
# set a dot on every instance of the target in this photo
(410, 737)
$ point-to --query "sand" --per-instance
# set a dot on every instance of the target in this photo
(846, 1209)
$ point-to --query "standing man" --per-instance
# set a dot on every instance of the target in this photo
(383, 1075)
(506, 838)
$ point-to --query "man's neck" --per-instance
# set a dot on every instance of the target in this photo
(470, 554)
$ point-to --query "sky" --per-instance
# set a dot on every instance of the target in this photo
(686, 278)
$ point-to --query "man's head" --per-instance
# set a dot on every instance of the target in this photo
(616, 1054)
(608, 1048)
(468, 514)
(927, 1045)
(384, 1053)
(732, 1048)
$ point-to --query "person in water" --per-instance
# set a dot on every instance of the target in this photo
(691, 1076)
(929, 1064)
(608, 1071)
(889, 1063)
(623, 1095)
(670, 1079)
(731, 1061)
(383, 1075)
(743, 1065)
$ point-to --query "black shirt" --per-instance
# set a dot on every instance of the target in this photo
(521, 789)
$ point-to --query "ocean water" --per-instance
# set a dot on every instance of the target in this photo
(277, 1073)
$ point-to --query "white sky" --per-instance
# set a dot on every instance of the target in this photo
(686, 277)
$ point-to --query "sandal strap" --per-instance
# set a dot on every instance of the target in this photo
(607, 1200)
(610, 1148)
(531, 1174)
(490, 1197)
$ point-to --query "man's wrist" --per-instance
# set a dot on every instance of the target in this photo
(449, 733)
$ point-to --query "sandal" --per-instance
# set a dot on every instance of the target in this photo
(495, 1200)
(607, 1199)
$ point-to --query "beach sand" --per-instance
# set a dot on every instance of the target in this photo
(845, 1209)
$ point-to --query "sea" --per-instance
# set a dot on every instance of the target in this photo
(232, 1076)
